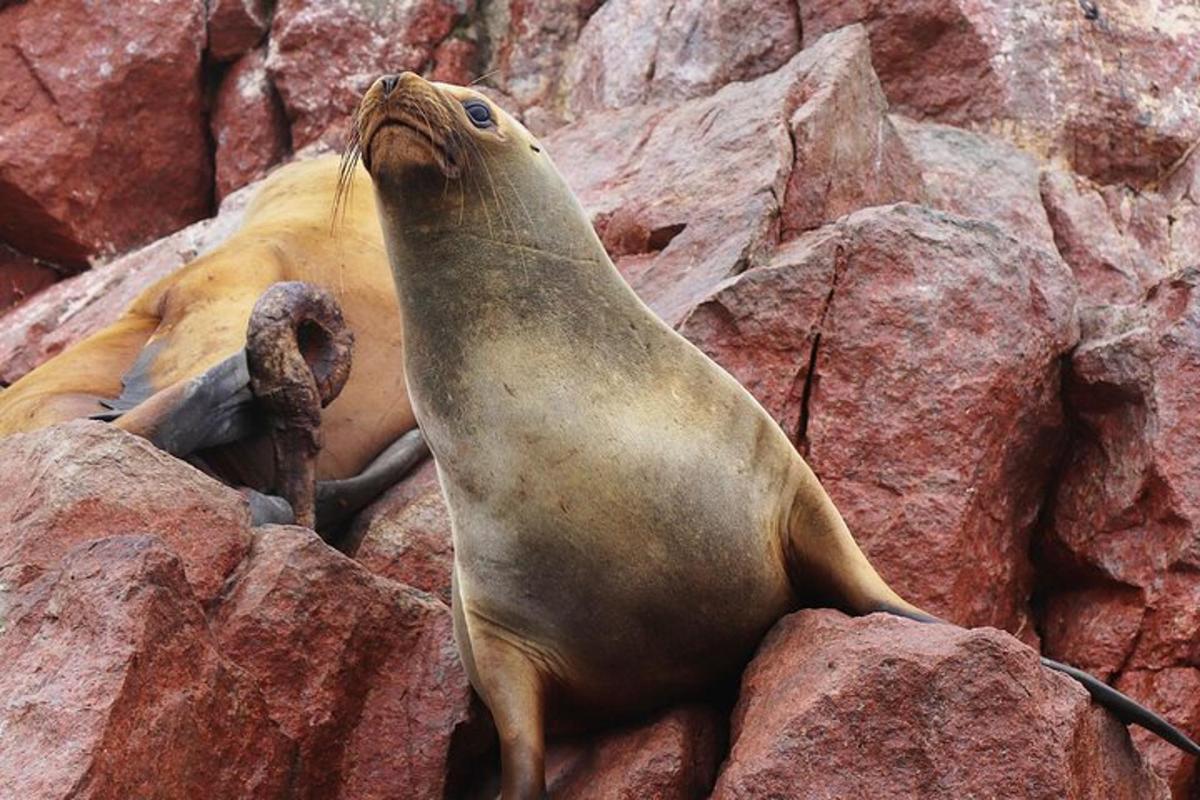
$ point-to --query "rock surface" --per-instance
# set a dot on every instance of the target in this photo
(248, 124)
(114, 687)
(236, 26)
(102, 140)
(882, 707)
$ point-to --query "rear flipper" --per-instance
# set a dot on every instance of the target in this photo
(823, 557)
(338, 500)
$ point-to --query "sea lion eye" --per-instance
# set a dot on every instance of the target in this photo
(479, 113)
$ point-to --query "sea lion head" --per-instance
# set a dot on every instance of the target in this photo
(448, 160)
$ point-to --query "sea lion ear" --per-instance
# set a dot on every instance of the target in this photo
(480, 113)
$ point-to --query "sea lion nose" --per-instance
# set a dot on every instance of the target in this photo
(388, 83)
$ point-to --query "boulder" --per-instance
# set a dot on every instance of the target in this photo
(113, 688)
(84, 480)
(324, 55)
(102, 136)
(22, 276)
(61, 315)
(362, 673)
(914, 358)
(236, 26)
(1125, 529)
(657, 179)
(1108, 87)
(879, 706)
(248, 124)
(405, 534)
(638, 51)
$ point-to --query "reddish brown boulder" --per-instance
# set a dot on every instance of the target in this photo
(236, 26)
(657, 179)
(1108, 86)
(878, 706)
(70, 310)
(636, 51)
(112, 687)
(248, 124)
(22, 276)
(673, 756)
(362, 673)
(914, 357)
(405, 535)
(1126, 525)
(323, 56)
(453, 61)
(83, 480)
(103, 143)
(1172, 693)
(978, 176)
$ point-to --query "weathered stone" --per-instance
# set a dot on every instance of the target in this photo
(22, 276)
(1173, 693)
(914, 358)
(236, 26)
(102, 141)
(324, 55)
(1109, 87)
(112, 687)
(248, 124)
(405, 534)
(361, 672)
(879, 706)
(84, 480)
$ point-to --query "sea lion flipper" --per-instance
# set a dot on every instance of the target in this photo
(337, 500)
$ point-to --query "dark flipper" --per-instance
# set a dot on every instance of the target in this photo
(267, 509)
(1126, 709)
(298, 351)
(337, 500)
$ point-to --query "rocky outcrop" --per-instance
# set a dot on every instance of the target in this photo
(248, 124)
(103, 143)
(881, 707)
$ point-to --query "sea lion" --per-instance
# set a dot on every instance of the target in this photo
(175, 366)
(628, 521)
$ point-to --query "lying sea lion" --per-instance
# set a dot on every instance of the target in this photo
(291, 283)
(628, 521)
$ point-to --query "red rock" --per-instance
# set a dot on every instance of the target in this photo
(883, 707)
(930, 401)
(71, 309)
(405, 534)
(22, 277)
(454, 61)
(635, 51)
(324, 55)
(674, 756)
(1113, 94)
(248, 124)
(978, 176)
(236, 26)
(657, 179)
(361, 672)
(1094, 628)
(103, 142)
(84, 480)
(113, 688)
(1127, 513)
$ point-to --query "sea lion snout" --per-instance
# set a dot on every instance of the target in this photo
(404, 124)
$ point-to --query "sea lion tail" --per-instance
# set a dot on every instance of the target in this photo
(1126, 709)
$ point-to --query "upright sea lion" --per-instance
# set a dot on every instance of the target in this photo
(175, 368)
(628, 521)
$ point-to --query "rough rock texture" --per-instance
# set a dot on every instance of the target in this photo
(87, 480)
(405, 535)
(914, 357)
(635, 51)
(360, 672)
(1108, 86)
(248, 124)
(236, 26)
(113, 687)
(674, 756)
(657, 178)
(102, 140)
(882, 707)
(70, 310)
(22, 276)
(324, 55)
(1125, 538)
